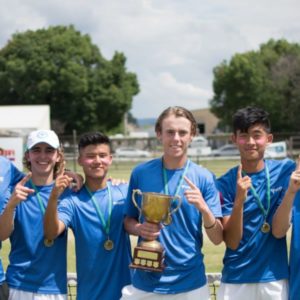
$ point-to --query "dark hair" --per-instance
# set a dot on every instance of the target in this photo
(246, 117)
(93, 138)
(177, 111)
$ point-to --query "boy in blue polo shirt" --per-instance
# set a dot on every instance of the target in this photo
(289, 212)
(255, 261)
(95, 215)
(9, 177)
(37, 270)
(174, 174)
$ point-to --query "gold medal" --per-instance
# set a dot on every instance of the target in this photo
(108, 245)
(48, 242)
(265, 228)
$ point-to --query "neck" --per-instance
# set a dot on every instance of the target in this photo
(253, 166)
(95, 184)
(174, 162)
(40, 180)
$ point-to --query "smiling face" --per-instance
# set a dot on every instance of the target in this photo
(42, 159)
(95, 161)
(252, 144)
(175, 136)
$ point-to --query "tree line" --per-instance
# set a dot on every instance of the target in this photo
(268, 78)
(61, 67)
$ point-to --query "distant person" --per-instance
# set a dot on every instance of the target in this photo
(255, 262)
(289, 212)
(9, 177)
(95, 215)
(174, 174)
(37, 268)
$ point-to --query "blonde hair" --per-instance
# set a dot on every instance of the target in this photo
(176, 111)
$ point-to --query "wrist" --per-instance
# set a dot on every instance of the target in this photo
(211, 226)
(204, 210)
(239, 203)
(137, 230)
(290, 191)
(55, 193)
(11, 205)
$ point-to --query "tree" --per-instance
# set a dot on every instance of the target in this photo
(268, 78)
(61, 67)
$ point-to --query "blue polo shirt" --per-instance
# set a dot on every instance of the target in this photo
(9, 177)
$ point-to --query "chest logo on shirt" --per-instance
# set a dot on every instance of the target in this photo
(276, 190)
(120, 202)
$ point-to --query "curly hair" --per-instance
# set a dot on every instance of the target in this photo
(57, 166)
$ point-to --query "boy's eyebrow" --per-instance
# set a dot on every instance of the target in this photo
(92, 153)
(39, 147)
(35, 148)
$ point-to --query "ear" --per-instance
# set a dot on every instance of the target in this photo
(26, 155)
(79, 160)
(270, 138)
(191, 138)
(59, 156)
(110, 159)
(233, 138)
(158, 135)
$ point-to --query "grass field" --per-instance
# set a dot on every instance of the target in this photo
(122, 170)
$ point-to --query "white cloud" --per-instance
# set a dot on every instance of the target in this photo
(172, 45)
(184, 90)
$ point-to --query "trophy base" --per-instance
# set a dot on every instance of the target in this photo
(148, 259)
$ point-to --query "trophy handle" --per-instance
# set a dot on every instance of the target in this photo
(177, 207)
(168, 219)
(137, 191)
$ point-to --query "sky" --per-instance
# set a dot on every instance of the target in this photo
(172, 45)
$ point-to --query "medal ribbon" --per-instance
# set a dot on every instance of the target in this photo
(41, 204)
(47, 242)
(106, 225)
(258, 201)
(166, 188)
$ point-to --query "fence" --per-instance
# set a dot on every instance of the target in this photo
(212, 278)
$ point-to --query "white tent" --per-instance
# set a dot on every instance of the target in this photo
(21, 119)
(16, 121)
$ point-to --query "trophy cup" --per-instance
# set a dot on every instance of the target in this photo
(156, 208)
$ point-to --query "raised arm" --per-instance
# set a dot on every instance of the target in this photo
(282, 217)
(212, 225)
(233, 224)
(53, 227)
(20, 193)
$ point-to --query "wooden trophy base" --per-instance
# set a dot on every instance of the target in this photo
(148, 259)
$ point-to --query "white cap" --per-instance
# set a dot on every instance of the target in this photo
(43, 136)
